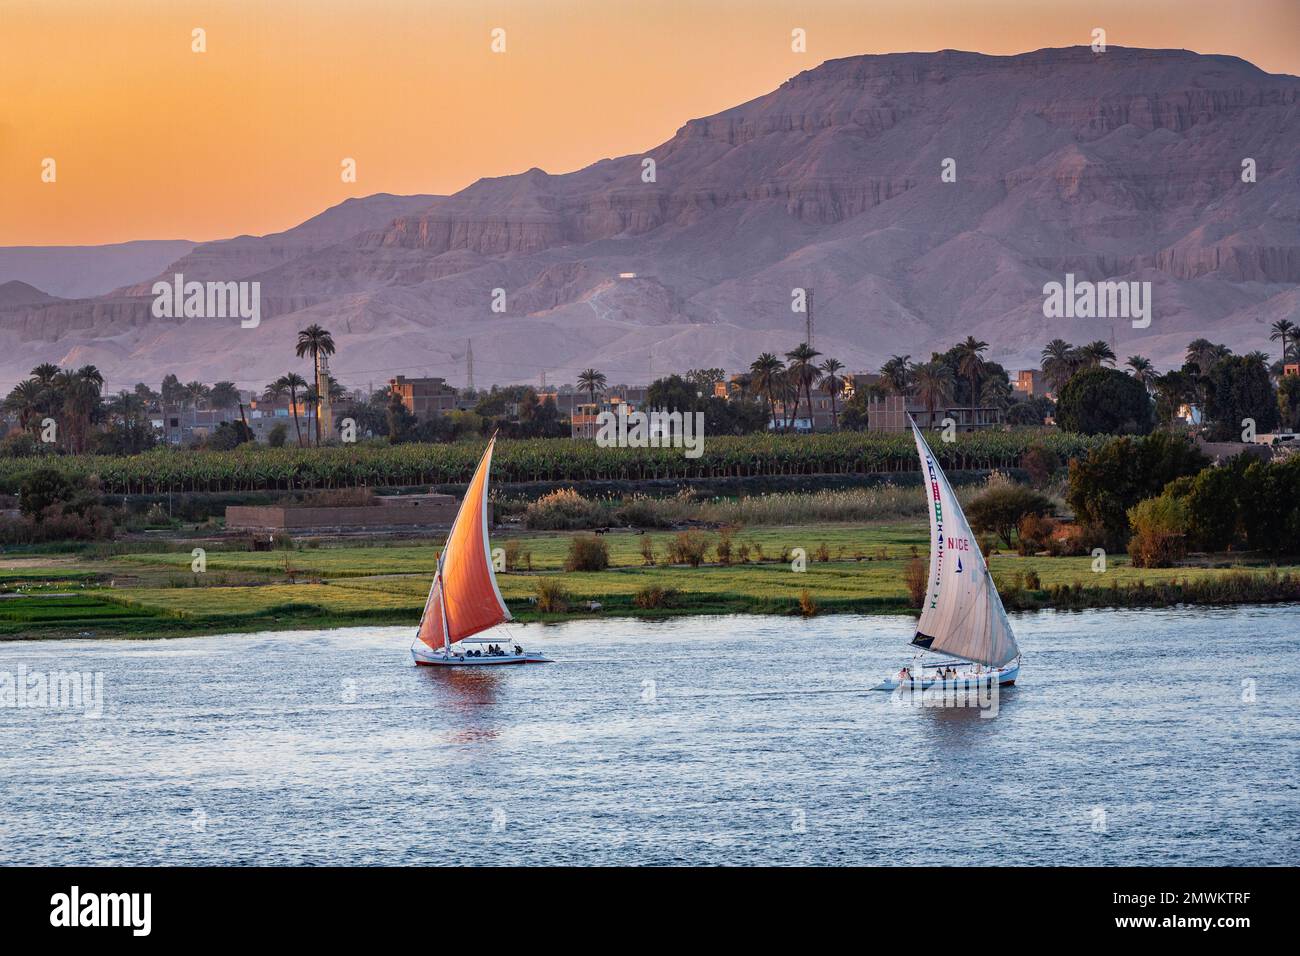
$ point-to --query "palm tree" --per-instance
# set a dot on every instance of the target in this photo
(78, 397)
(224, 395)
(1059, 363)
(832, 382)
(45, 373)
(1142, 369)
(934, 381)
(25, 402)
(1285, 330)
(290, 382)
(1095, 354)
(971, 364)
(315, 341)
(896, 374)
(804, 372)
(592, 380)
(765, 372)
(995, 393)
(1204, 354)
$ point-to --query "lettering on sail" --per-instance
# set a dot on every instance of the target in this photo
(938, 527)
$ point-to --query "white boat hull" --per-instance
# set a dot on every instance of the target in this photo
(965, 680)
(428, 657)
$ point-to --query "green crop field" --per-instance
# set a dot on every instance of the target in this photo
(556, 459)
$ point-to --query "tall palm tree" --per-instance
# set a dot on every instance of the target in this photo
(592, 380)
(290, 382)
(25, 402)
(970, 363)
(832, 381)
(995, 392)
(803, 369)
(315, 341)
(224, 395)
(45, 373)
(1142, 369)
(1059, 363)
(934, 381)
(80, 403)
(896, 374)
(765, 371)
(1098, 353)
(1285, 330)
(1204, 354)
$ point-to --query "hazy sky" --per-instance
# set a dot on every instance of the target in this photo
(152, 140)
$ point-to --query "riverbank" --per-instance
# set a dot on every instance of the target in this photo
(133, 592)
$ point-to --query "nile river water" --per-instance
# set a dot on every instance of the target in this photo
(1134, 737)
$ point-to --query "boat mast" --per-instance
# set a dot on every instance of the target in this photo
(442, 603)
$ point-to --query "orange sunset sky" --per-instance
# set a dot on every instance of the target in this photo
(154, 141)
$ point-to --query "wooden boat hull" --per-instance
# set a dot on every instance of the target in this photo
(1006, 676)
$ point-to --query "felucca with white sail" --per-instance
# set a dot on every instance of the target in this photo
(464, 600)
(962, 616)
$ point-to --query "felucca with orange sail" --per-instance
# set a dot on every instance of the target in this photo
(464, 600)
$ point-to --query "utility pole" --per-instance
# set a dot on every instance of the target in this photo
(469, 365)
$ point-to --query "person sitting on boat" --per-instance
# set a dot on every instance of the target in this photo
(905, 674)
(518, 649)
(979, 668)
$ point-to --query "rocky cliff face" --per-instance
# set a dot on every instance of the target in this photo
(1122, 165)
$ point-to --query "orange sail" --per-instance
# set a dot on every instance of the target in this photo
(465, 598)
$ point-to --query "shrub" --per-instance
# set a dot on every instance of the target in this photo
(807, 606)
(552, 596)
(688, 547)
(823, 553)
(917, 575)
(724, 548)
(742, 554)
(587, 553)
(1001, 506)
(19, 444)
(758, 552)
(653, 596)
(1032, 580)
(1034, 534)
(564, 510)
(647, 550)
(44, 487)
(513, 550)
(1159, 532)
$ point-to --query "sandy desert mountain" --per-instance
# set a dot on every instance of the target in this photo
(1120, 165)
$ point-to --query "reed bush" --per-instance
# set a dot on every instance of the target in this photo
(916, 574)
(552, 596)
(587, 553)
(653, 596)
(688, 547)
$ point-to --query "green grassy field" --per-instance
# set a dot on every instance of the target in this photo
(153, 593)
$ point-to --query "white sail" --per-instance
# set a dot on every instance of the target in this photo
(962, 614)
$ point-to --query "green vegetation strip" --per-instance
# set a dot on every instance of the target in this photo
(260, 468)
